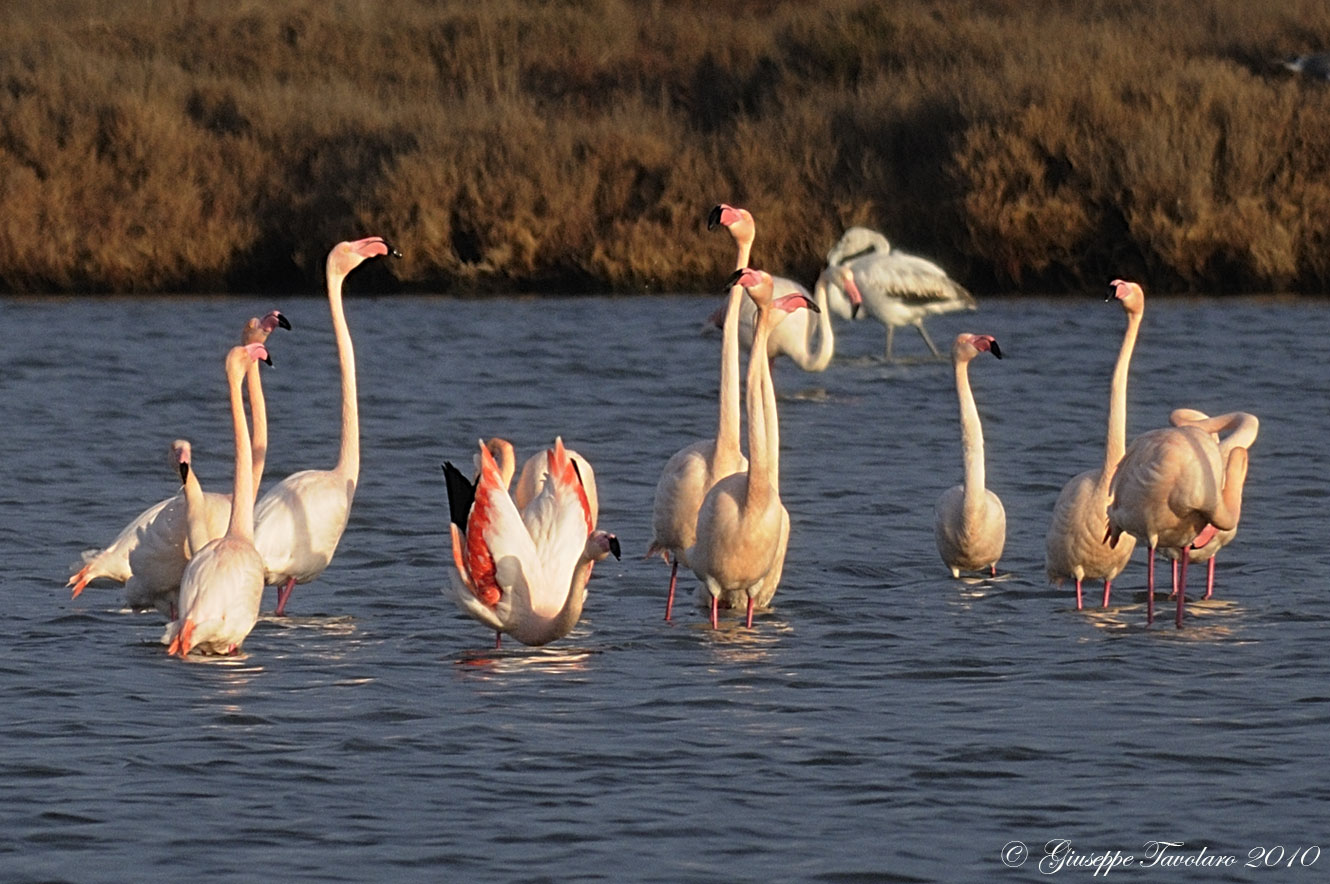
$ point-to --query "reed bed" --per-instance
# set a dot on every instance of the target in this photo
(575, 145)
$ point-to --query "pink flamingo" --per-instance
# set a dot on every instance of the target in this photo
(691, 471)
(1173, 490)
(742, 527)
(1242, 428)
(523, 573)
(299, 523)
(223, 582)
(969, 523)
(1074, 547)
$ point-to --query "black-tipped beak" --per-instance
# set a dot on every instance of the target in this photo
(283, 322)
(734, 278)
(854, 310)
(267, 360)
(614, 546)
(184, 473)
(1112, 294)
(997, 351)
(713, 219)
(392, 252)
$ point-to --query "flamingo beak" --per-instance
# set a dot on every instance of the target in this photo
(614, 546)
(997, 351)
(184, 471)
(734, 278)
(713, 219)
(283, 322)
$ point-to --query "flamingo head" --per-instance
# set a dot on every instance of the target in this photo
(601, 544)
(347, 256)
(844, 277)
(180, 457)
(1130, 294)
(757, 283)
(240, 358)
(257, 330)
(968, 346)
(739, 222)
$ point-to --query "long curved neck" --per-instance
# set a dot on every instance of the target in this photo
(572, 608)
(1226, 515)
(348, 462)
(826, 339)
(242, 492)
(258, 407)
(771, 425)
(1116, 444)
(972, 436)
(725, 459)
(195, 514)
(760, 464)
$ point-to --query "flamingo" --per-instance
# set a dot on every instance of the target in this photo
(897, 288)
(523, 573)
(742, 527)
(1243, 428)
(691, 471)
(534, 473)
(299, 523)
(1074, 547)
(223, 582)
(1174, 490)
(969, 522)
(162, 526)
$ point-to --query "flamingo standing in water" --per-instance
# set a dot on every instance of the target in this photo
(691, 471)
(534, 473)
(161, 528)
(897, 288)
(223, 582)
(299, 523)
(742, 526)
(1074, 547)
(523, 573)
(1174, 490)
(969, 522)
(1242, 429)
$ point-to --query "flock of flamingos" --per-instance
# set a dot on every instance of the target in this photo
(522, 558)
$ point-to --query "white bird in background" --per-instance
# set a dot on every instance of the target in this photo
(1173, 490)
(970, 524)
(742, 526)
(1074, 547)
(897, 288)
(223, 583)
(299, 523)
(1242, 429)
(162, 526)
(1315, 66)
(523, 573)
(691, 471)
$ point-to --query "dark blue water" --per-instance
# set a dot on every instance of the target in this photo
(883, 722)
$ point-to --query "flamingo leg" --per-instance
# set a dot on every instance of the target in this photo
(1078, 594)
(891, 333)
(919, 324)
(1150, 588)
(750, 612)
(992, 570)
(1210, 578)
(674, 576)
(1108, 588)
(1175, 579)
(498, 639)
(283, 594)
(1182, 589)
(715, 612)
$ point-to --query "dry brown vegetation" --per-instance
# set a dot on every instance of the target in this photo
(577, 144)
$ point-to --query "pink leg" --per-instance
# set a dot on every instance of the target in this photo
(750, 612)
(1182, 590)
(1175, 579)
(715, 612)
(1210, 578)
(284, 593)
(674, 575)
(1078, 593)
(992, 570)
(1108, 588)
(498, 640)
(1150, 588)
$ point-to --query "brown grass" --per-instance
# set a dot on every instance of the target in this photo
(577, 145)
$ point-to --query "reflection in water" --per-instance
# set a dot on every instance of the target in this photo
(557, 660)
(1206, 620)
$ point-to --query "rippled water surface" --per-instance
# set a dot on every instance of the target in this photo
(882, 722)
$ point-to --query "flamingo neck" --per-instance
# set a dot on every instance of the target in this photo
(1226, 515)
(761, 464)
(348, 461)
(826, 339)
(1116, 443)
(725, 459)
(195, 514)
(972, 438)
(258, 407)
(242, 492)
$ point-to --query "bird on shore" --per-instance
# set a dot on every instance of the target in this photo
(1315, 66)
(299, 523)
(897, 288)
(1074, 547)
(970, 524)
